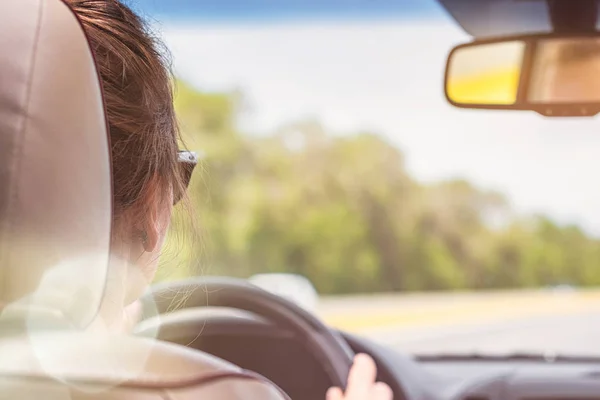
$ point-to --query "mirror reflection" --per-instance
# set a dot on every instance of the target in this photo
(486, 73)
(566, 71)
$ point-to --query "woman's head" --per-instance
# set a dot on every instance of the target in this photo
(138, 95)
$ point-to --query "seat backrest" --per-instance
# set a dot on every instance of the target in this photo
(55, 190)
(55, 218)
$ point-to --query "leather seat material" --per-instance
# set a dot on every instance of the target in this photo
(55, 201)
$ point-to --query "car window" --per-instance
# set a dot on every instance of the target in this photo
(331, 152)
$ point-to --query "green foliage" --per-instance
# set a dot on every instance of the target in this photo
(343, 211)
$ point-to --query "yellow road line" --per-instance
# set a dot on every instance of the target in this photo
(478, 311)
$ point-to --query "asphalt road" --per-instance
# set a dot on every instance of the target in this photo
(570, 333)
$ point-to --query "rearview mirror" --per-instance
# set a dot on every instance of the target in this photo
(554, 76)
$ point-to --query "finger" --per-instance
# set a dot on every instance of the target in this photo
(381, 391)
(335, 393)
(361, 377)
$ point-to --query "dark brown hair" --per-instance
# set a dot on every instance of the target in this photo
(138, 92)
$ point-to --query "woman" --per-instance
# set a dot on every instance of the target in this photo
(147, 177)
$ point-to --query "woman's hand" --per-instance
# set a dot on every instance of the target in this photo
(361, 383)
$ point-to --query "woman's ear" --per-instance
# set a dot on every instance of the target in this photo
(153, 208)
(149, 239)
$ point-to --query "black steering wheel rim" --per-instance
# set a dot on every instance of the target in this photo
(325, 344)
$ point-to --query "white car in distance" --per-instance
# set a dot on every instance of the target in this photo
(293, 287)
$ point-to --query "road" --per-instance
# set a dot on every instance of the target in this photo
(565, 323)
(576, 334)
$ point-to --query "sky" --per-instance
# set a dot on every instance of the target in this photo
(382, 70)
(269, 10)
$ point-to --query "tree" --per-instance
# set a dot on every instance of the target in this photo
(343, 211)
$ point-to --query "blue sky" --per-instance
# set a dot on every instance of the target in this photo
(274, 10)
(380, 70)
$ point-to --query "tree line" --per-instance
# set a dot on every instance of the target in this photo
(344, 212)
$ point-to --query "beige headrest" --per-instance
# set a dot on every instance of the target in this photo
(55, 189)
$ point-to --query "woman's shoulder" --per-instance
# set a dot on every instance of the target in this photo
(120, 366)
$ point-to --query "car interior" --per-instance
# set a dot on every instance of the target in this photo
(58, 151)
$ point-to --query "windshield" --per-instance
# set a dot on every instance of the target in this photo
(330, 153)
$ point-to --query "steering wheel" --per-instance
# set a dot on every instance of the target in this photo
(325, 344)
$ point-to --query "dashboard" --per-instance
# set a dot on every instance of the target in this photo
(256, 344)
